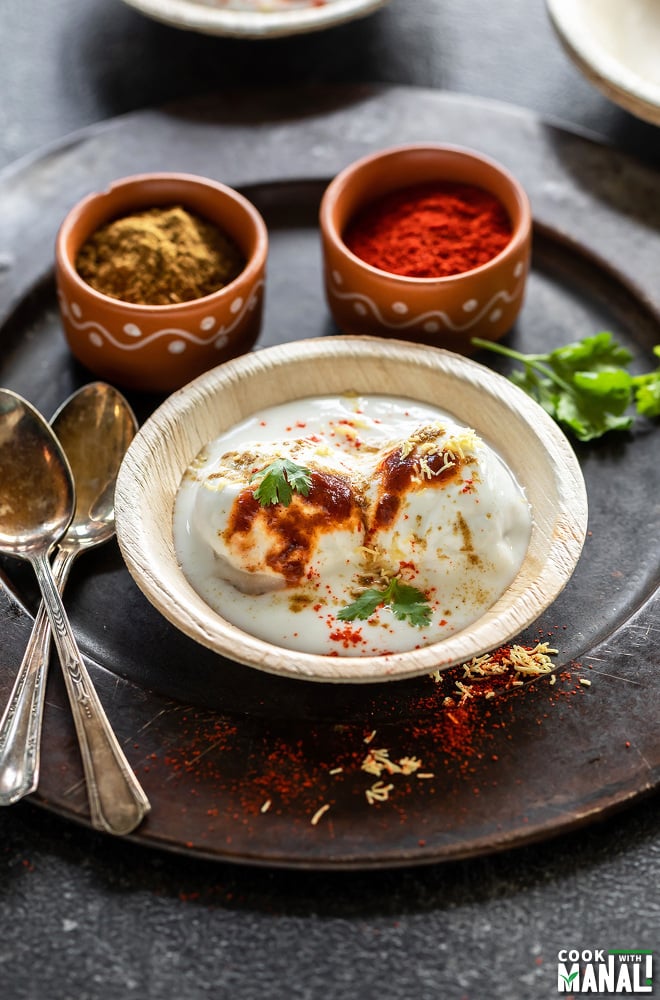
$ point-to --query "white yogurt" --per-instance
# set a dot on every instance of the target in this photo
(399, 489)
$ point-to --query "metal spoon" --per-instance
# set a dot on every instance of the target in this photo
(37, 504)
(94, 426)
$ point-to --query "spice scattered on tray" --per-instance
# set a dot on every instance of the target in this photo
(450, 729)
(507, 661)
(430, 230)
(319, 813)
(159, 257)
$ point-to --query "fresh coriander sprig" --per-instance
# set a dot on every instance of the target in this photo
(647, 390)
(406, 602)
(585, 385)
(280, 480)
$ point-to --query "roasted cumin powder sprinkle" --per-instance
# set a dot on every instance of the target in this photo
(159, 257)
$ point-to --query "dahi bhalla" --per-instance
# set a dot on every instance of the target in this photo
(350, 525)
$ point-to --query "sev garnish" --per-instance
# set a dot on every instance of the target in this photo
(379, 792)
(516, 660)
(319, 813)
(378, 761)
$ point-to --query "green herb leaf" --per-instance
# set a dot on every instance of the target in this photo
(597, 404)
(585, 385)
(409, 603)
(598, 353)
(363, 607)
(279, 480)
(647, 391)
(406, 603)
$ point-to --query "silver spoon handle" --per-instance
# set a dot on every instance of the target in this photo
(116, 799)
(20, 726)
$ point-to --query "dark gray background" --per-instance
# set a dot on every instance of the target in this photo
(87, 917)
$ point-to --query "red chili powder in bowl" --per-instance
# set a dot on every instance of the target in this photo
(430, 230)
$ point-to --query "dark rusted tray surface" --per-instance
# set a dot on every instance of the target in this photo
(212, 741)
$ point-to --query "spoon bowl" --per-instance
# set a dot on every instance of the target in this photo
(37, 497)
(95, 427)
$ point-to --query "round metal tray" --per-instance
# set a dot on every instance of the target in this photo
(213, 741)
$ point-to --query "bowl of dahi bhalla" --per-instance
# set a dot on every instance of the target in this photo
(350, 509)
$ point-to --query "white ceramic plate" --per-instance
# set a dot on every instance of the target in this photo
(527, 439)
(255, 18)
(616, 44)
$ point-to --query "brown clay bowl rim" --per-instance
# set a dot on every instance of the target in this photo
(337, 188)
(254, 263)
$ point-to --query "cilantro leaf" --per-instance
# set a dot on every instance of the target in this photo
(597, 404)
(598, 353)
(647, 390)
(585, 385)
(363, 607)
(279, 480)
(406, 603)
(409, 603)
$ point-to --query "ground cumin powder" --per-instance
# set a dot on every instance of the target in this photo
(158, 257)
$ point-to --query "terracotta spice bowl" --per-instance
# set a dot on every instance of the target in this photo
(441, 311)
(158, 348)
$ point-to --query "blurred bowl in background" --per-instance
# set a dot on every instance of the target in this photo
(616, 46)
(249, 19)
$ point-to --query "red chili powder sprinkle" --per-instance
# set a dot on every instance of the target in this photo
(450, 727)
(348, 636)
